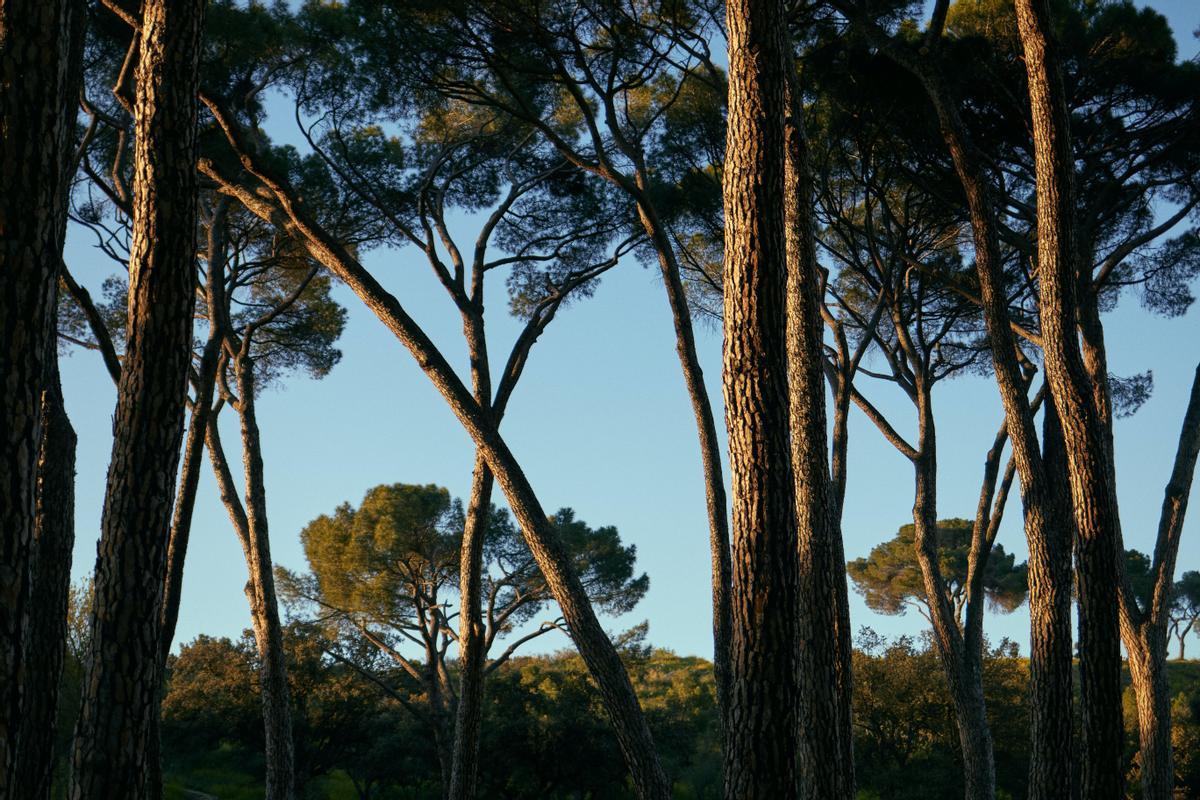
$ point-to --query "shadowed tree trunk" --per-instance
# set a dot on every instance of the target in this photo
(54, 541)
(823, 644)
(961, 659)
(761, 724)
(599, 654)
(121, 685)
(36, 130)
(1085, 443)
(260, 591)
(250, 524)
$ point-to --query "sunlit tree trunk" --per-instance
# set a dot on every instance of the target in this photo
(189, 481)
(1085, 443)
(121, 686)
(250, 524)
(1145, 631)
(761, 723)
(36, 131)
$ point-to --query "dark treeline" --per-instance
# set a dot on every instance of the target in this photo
(544, 733)
(869, 197)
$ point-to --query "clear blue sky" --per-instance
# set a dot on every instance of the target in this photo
(601, 422)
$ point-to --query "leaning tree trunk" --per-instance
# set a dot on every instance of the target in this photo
(761, 718)
(264, 606)
(121, 686)
(1092, 493)
(54, 541)
(36, 129)
(823, 646)
(597, 650)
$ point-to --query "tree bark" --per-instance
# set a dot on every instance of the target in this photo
(1145, 631)
(599, 654)
(1047, 519)
(761, 723)
(36, 131)
(1152, 695)
(472, 646)
(54, 541)
(824, 649)
(706, 431)
(961, 659)
(264, 606)
(472, 653)
(121, 686)
(189, 477)
(1093, 496)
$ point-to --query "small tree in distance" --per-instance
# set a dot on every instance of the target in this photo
(383, 590)
(890, 581)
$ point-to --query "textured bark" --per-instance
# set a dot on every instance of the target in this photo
(961, 658)
(121, 685)
(706, 431)
(189, 482)
(36, 128)
(1086, 444)
(761, 723)
(249, 521)
(1152, 696)
(472, 645)
(823, 644)
(264, 606)
(599, 654)
(46, 640)
(472, 653)
(1047, 519)
(1145, 631)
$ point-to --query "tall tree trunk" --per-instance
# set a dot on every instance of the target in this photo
(472, 648)
(601, 657)
(121, 686)
(961, 660)
(36, 131)
(1145, 631)
(706, 431)
(1092, 493)
(471, 653)
(823, 644)
(260, 591)
(54, 541)
(761, 724)
(189, 476)
(1047, 520)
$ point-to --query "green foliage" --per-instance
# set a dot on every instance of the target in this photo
(904, 720)
(545, 734)
(890, 580)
